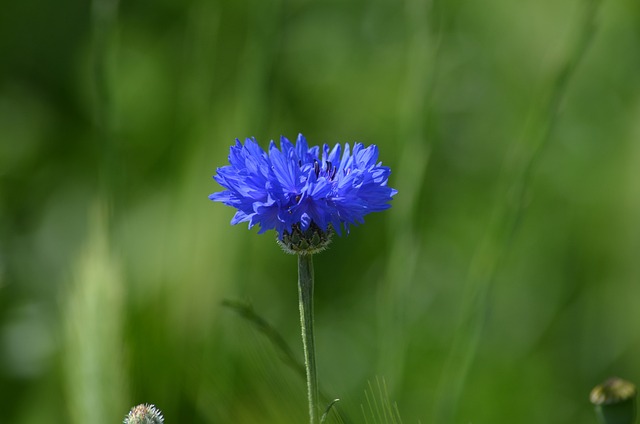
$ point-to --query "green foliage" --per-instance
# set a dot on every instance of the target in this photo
(500, 287)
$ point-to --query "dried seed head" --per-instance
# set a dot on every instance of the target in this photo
(614, 390)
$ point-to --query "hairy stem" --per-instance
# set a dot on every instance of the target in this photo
(305, 290)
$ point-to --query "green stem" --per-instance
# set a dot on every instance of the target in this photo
(305, 290)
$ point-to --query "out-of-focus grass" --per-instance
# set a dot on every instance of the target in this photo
(445, 88)
(93, 362)
(379, 407)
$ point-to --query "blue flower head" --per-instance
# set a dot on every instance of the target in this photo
(301, 189)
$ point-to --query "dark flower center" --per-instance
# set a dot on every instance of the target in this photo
(329, 172)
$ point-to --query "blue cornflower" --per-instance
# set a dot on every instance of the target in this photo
(298, 188)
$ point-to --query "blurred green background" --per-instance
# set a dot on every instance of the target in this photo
(502, 285)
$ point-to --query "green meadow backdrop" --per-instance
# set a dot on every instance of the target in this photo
(502, 285)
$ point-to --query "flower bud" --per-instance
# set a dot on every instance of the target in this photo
(144, 414)
(615, 401)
